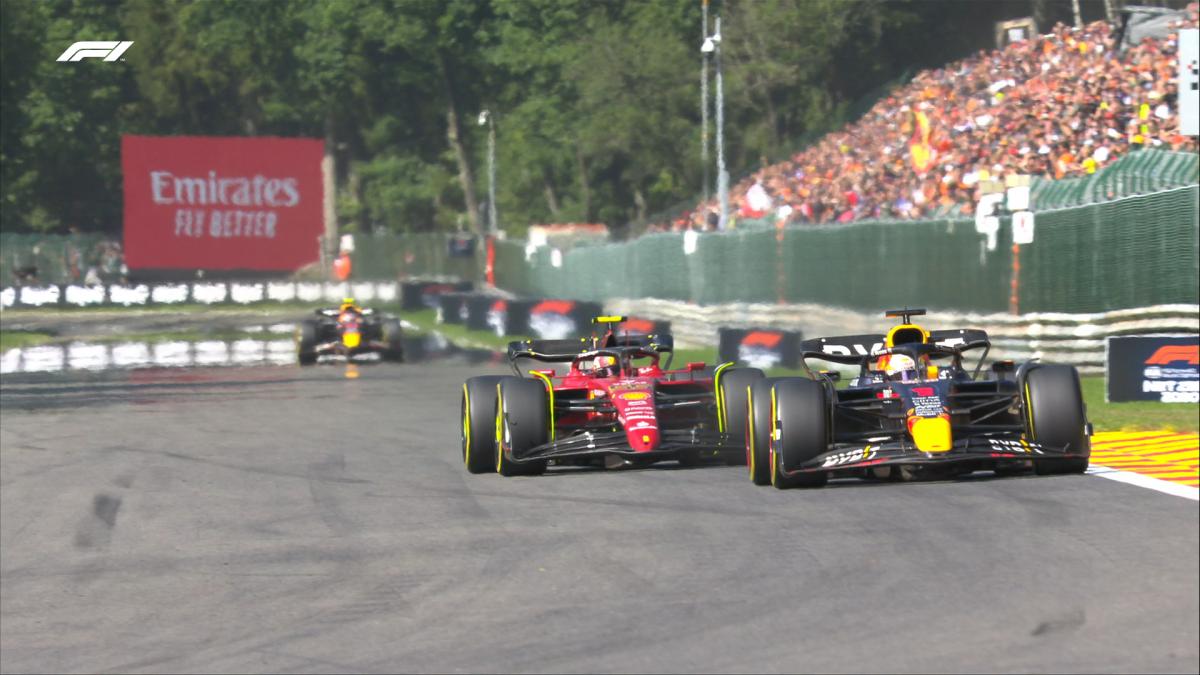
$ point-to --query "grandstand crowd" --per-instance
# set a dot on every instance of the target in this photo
(1059, 105)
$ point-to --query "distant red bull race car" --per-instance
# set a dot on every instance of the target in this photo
(913, 411)
(615, 406)
(348, 331)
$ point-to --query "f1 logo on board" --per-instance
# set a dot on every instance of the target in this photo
(109, 51)
(1172, 353)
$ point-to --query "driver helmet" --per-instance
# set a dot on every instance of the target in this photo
(348, 304)
(895, 364)
(605, 365)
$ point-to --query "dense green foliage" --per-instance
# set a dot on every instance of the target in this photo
(596, 104)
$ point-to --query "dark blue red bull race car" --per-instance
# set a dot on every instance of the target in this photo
(348, 331)
(615, 406)
(914, 411)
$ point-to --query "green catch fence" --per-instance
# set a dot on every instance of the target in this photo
(1098, 246)
(1139, 172)
(405, 256)
(1131, 252)
(57, 259)
(64, 259)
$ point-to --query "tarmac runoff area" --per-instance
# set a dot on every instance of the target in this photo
(279, 519)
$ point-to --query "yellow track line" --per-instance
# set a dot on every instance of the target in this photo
(1167, 456)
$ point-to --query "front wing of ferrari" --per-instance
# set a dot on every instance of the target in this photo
(600, 443)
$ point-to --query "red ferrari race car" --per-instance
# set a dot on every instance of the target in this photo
(914, 411)
(348, 331)
(615, 406)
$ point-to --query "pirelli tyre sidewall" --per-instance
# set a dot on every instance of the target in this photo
(522, 423)
(479, 423)
(800, 430)
(731, 387)
(1055, 416)
(306, 342)
(758, 430)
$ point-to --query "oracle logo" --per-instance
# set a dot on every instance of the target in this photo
(168, 189)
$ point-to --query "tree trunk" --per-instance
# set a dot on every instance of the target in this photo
(585, 190)
(772, 118)
(551, 197)
(640, 200)
(1041, 16)
(466, 176)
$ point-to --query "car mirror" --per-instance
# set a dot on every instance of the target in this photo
(549, 372)
(693, 366)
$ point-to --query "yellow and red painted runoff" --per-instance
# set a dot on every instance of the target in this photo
(1167, 461)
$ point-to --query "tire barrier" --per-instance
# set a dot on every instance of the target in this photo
(1076, 339)
(542, 317)
(417, 295)
(503, 316)
(759, 347)
(560, 319)
(452, 308)
(205, 293)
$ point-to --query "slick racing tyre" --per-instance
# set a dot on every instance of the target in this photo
(731, 388)
(306, 342)
(799, 430)
(758, 430)
(392, 337)
(522, 423)
(479, 423)
(1055, 417)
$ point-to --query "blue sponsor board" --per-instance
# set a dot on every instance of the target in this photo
(1163, 368)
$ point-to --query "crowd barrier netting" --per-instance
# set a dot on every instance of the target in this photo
(404, 256)
(57, 258)
(1130, 252)
(1137, 173)
(65, 259)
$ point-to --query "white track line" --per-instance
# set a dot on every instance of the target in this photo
(1166, 486)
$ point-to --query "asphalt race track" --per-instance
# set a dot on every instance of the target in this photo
(274, 519)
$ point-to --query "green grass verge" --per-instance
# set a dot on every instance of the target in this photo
(184, 335)
(10, 339)
(13, 339)
(1136, 415)
(426, 321)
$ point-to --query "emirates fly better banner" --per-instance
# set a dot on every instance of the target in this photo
(222, 203)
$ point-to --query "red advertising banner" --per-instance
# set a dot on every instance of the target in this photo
(218, 203)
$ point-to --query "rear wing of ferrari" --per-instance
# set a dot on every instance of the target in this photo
(553, 351)
(565, 351)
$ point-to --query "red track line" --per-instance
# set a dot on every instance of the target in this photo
(1143, 444)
